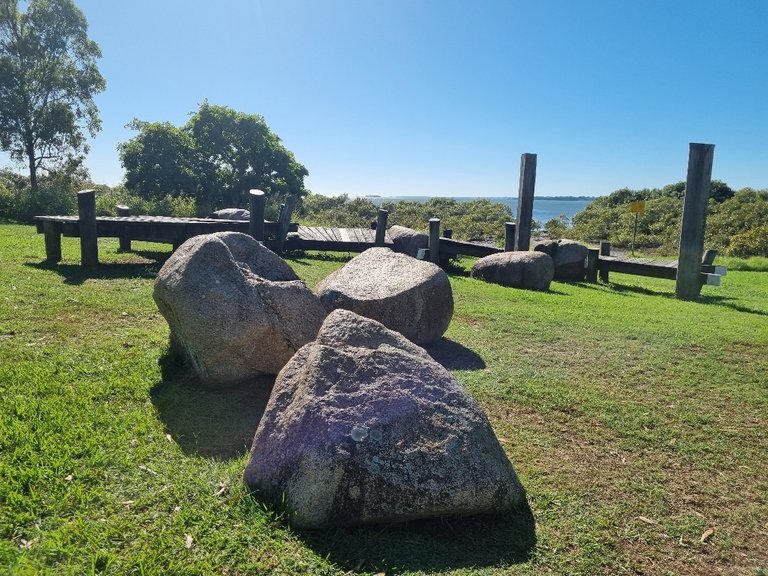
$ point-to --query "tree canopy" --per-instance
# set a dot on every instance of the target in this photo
(48, 78)
(215, 158)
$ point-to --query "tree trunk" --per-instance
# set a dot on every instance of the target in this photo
(32, 168)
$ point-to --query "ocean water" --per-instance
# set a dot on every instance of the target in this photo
(543, 208)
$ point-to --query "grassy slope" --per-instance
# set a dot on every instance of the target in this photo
(635, 421)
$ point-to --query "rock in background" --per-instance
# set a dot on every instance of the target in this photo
(231, 214)
(235, 308)
(569, 257)
(407, 240)
(528, 270)
(363, 427)
(410, 296)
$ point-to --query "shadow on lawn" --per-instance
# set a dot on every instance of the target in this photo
(454, 356)
(710, 299)
(75, 274)
(208, 422)
(429, 545)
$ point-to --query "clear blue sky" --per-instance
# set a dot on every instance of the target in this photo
(438, 97)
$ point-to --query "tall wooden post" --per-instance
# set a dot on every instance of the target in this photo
(125, 239)
(89, 247)
(525, 201)
(509, 236)
(381, 226)
(256, 224)
(697, 187)
(434, 240)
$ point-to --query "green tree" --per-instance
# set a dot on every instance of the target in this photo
(216, 157)
(161, 160)
(48, 78)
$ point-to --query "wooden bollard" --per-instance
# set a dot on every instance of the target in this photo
(605, 250)
(381, 226)
(256, 224)
(593, 256)
(509, 236)
(284, 222)
(434, 240)
(89, 247)
(125, 240)
(709, 257)
(525, 202)
(697, 187)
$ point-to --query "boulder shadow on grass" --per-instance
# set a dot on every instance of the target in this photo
(213, 423)
(454, 356)
(435, 545)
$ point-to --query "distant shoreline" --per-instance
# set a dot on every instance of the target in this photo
(469, 198)
(545, 208)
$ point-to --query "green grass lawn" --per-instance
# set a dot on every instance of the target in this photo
(637, 423)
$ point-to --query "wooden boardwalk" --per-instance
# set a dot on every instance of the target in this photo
(175, 231)
(334, 239)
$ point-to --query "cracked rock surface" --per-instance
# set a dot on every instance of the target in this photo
(363, 427)
(235, 309)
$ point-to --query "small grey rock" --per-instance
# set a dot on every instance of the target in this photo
(231, 214)
(569, 257)
(407, 240)
(529, 270)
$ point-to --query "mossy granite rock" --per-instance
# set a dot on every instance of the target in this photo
(409, 296)
(529, 270)
(235, 308)
(363, 427)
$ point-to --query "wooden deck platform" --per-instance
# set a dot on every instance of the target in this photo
(149, 228)
(176, 231)
(334, 239)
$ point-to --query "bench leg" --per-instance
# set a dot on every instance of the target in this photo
(52, 241)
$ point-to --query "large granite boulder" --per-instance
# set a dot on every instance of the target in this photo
(529, 270)
(407, 240)
(410, 296)
(364, 427)
(231, 214)
(235, 309)
(569, 257)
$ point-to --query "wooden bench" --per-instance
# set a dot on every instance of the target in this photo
(165, 229)
(601, 263)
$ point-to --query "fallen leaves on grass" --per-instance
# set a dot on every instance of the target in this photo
(708, 533)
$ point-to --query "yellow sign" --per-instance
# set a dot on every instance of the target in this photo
(637, 207)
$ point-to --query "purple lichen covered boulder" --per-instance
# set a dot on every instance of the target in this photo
(364, 427)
